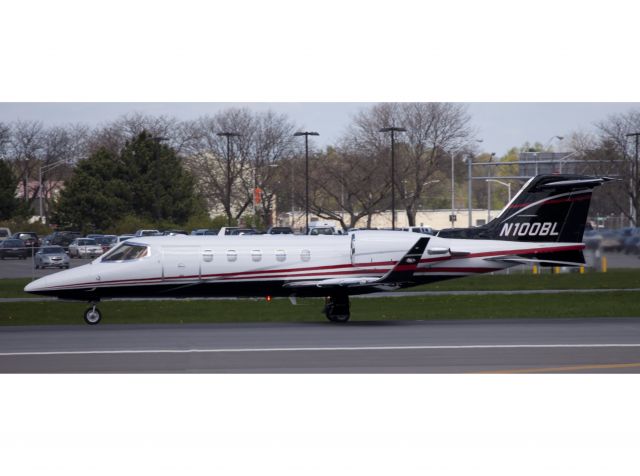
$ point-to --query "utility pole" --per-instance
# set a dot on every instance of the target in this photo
(306, 135)
(393, 130)
(489, 173)
(228, 135)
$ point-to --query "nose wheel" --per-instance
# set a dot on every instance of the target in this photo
(92, 316)
(336, 308)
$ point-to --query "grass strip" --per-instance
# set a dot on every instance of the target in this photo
(608, 304)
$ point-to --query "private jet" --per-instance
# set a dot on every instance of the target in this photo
(542, 224)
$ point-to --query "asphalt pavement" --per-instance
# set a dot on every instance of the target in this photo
(591, 345)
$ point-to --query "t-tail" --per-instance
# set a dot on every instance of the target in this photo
(549, 208)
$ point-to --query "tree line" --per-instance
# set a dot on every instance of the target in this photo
(158, 169)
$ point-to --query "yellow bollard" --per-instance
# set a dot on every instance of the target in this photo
(604, 264)
(535, 269)
(581, 269)
(556, 270)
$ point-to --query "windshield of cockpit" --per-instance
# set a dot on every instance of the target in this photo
(126, 252)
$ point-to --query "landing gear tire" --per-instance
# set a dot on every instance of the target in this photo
(336, 308)
(92, 316)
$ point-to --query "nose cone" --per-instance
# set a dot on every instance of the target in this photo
(35, 287)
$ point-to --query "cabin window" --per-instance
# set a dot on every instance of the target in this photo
(305, 255)
(207, 255)
(126, 252)
(256, 255)
(281, 255)
(232, 255)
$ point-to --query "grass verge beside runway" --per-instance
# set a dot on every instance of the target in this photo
(518, 280)
(606, 304)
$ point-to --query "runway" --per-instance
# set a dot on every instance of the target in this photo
(593, 345)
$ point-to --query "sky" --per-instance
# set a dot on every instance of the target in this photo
(501, 125)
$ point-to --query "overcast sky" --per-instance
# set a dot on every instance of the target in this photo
(500, 125)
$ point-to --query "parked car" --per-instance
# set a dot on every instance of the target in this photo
(426, 230)
(244, 231)
(5, 233)
(611, 241)
(107, 242)
(592, 239)
(174, 232)
(64, 238)
(51, 257)
(324, 230)
(280, 230)
(630, 241)
(84, 248)
(94, 235)
(148, 233)
(121, 238)
(13, 248)
(205, 231)
(29, 238)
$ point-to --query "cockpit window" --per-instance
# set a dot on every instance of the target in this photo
(126, 252)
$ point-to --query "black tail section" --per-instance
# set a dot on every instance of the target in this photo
(549, 208)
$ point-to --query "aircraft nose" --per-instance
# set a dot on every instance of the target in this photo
(37, 285)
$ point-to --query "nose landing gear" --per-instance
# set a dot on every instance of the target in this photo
(92, 315)
(336, 308)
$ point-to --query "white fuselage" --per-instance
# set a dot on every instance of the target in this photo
(259, 265)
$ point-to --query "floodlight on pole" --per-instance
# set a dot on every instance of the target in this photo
(470, 184)
(393, 130)
(45, 168)
(306, 135)
(228, 135)
(508, 185)
(489, 189)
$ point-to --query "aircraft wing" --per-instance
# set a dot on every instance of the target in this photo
(402, 272)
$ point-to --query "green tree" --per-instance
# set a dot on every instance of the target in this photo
(162, 189)
(8, 183)
(146, 180)
(98, 193)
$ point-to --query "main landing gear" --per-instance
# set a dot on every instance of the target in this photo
(92, 316)
(336, 308)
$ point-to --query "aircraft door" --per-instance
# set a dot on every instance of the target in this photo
(180, 262)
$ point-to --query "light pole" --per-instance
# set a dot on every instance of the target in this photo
(508, 185)
(45, 168)
(393, 130)
(489, 189)
(453, 181)
(306, 135)
(228, 135)
(551, 140)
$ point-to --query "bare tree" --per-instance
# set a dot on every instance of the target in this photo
(612, 152)
(62, 147)
(273, 143)
(25, 150)
(113, 135)
(230, 180)
(347, 186)
(5, 136)
(433, 131)
(222, 177)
